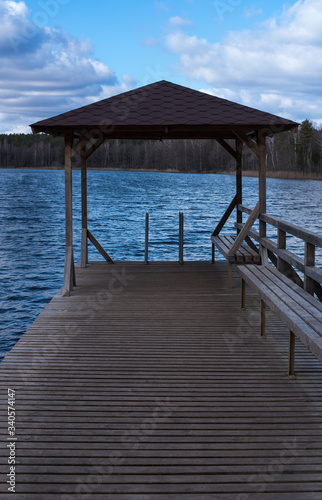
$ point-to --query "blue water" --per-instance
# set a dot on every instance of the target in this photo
(32, 225)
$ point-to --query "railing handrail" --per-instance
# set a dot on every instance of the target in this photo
(286, 255)
(288, 227)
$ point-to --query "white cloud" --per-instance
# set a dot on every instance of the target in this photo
(150, 41)
(178, 21)
(278, 65)
(161, 6)
(45, 71)
(252, 11)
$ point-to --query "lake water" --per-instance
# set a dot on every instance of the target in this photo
(32, 225)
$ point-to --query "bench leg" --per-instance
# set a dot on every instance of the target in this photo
(291, 347)
(263, 310)
(243, 294)
(213, 254)
(230, 275)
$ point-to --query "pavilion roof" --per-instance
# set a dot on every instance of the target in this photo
(164, 110)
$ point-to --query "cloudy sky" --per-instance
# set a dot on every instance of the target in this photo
(56, 55)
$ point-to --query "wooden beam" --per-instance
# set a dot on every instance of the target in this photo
(262, 183)
(227, 147)
(84, 245)
(244, 232)
(99, 247)
(95, 146)
(263, 318)
(69, 278)
(281, 245)
(239, 182)
(69, 272)
(309, 260)
(86, 141)
(248, 141)
(291, 351)
(68, 191)
(226, 215)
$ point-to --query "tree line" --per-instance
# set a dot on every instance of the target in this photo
(287, 152)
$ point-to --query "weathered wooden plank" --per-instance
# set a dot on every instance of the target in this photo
(306, 327)
(99, 247)
(165, 376)
(226, 215)
(299, 232)
(244, 232)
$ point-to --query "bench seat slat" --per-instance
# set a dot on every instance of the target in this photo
(303, 299)
(291, 297)
(304, 320)
(293, 286)
(244, 254)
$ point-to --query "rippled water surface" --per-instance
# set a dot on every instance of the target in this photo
(32, 225)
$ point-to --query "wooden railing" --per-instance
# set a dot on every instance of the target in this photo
(286, 260)
(226, 216)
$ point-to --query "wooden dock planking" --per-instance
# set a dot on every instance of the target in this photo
(150, 383)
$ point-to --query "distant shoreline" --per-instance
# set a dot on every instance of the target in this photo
(246, 173)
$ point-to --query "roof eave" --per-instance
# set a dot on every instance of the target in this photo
(183, 131)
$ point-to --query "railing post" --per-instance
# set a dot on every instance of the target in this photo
(146, 252)
(309, 260)
(281, 244)
(181, 237)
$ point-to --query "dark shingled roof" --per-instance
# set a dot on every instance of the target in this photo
(164, 110)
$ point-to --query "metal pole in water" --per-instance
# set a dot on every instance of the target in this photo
(146, 253)
(180, 237)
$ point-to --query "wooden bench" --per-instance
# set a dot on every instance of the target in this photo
(236, 249)
(244, 254)
(293, 305)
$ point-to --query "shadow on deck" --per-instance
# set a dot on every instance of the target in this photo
(150, 383)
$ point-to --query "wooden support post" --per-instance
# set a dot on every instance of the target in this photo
(73, 270)
(291, 350)
(213, 256)
(281, 244)
(309, 260)
(239, 184)
(261, 143)
(263, 318)
(243, 294)
(69, 272)
(181, 238)
(230, 275)
(262, 183)
(146, 252)
(84, 244)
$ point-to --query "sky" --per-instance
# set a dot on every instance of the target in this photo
(57, 55)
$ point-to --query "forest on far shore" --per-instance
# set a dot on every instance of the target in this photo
(297, 153)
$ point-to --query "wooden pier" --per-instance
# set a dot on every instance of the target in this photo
(150, 383)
